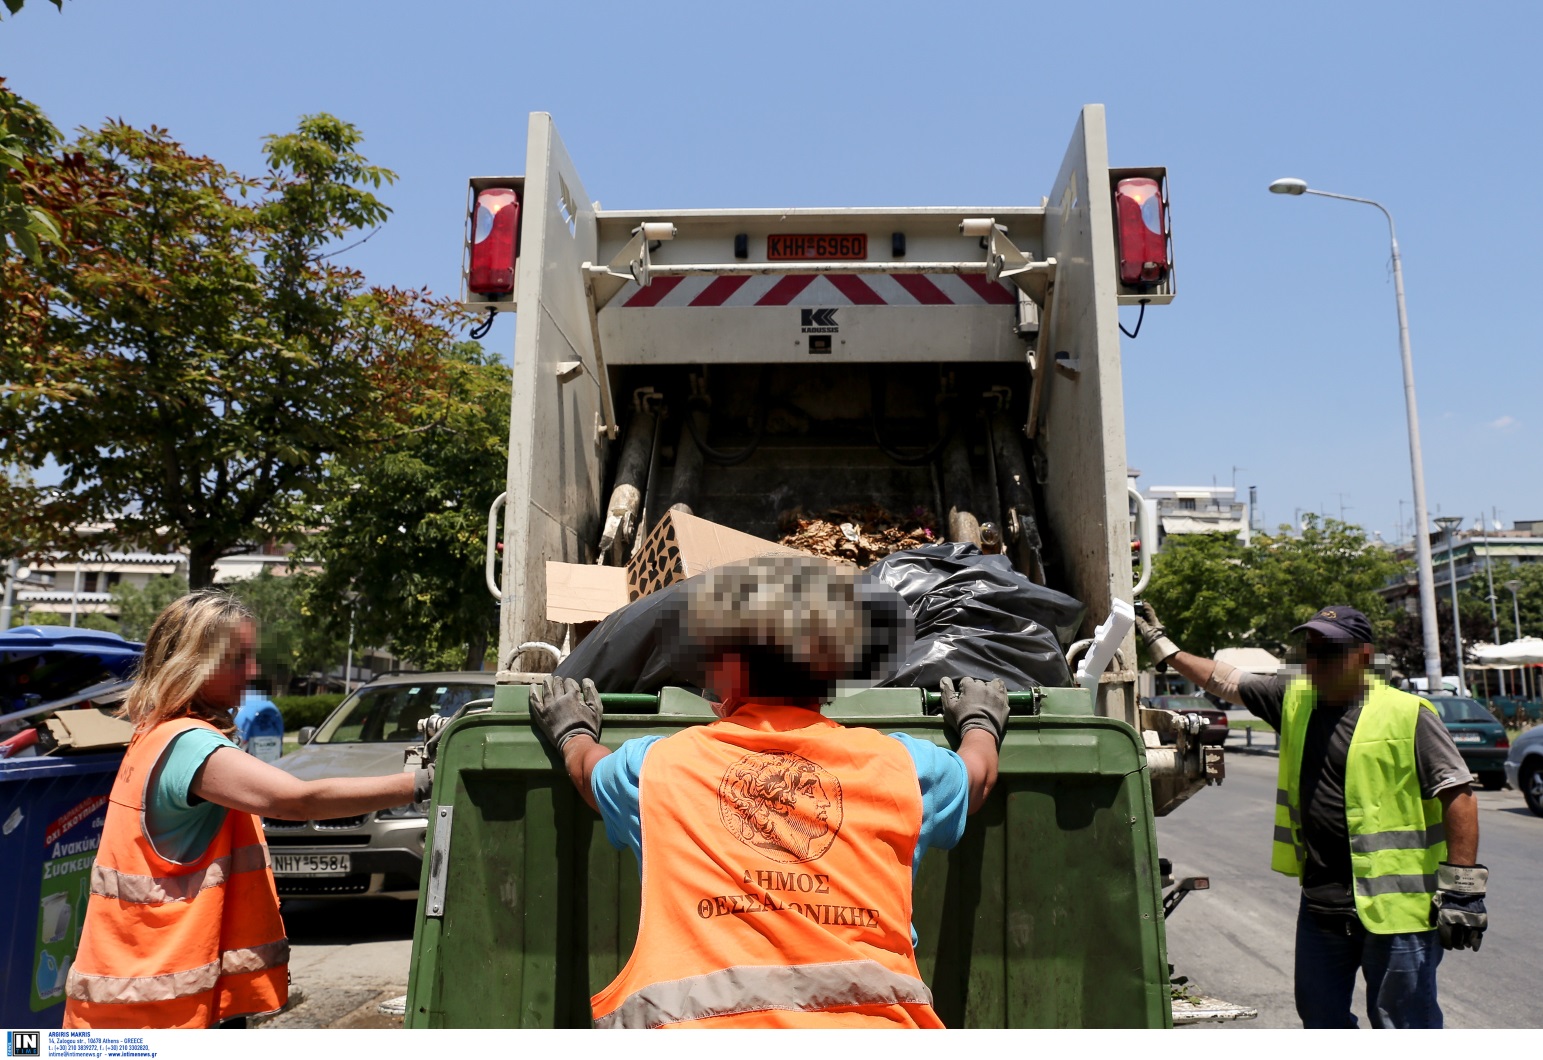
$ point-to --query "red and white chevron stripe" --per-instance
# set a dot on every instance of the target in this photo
(679, 292)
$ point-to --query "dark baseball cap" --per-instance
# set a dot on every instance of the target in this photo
(1343, 624)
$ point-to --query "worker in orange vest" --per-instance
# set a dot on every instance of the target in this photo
(182, 928)
(777, 847)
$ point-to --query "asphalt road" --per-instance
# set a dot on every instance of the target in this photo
(1236, 940)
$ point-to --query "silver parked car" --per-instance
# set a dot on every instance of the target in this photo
(377, 853)
(1524, 767)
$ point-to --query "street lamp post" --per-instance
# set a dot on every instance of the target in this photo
(348, 664)
(1424, 571)
(1516, 611)
(1449, 523)
(1494, 610)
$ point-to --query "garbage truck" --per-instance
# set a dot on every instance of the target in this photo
(736, 365)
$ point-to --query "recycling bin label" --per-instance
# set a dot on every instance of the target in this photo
(70, 843)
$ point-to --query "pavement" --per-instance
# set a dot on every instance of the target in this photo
(346, 958)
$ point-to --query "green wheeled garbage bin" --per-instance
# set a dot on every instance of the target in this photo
(51, 814)
(1047, 914)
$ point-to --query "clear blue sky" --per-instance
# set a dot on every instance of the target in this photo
(1280, 355)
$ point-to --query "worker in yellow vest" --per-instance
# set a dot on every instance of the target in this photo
(1374, 813)
(182, 928)
(777, 847)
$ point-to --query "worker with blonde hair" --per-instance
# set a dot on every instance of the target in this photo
(183, 926)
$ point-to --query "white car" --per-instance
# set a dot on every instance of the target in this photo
(1524, 767)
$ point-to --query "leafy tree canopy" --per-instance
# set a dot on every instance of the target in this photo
(406, 536)
(1214, 592)
(191, 355)
(291, 639)
(138, 606)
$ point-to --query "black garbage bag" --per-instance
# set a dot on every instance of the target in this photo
(978, 617)
(642, 647)
(633, 649)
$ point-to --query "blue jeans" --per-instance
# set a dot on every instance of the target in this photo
(1400, 973)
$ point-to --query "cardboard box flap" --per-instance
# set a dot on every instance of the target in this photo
(678, 547)
(583, 592)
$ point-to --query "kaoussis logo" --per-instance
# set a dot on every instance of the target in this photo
(782, 805)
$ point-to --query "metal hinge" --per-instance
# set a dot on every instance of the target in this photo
(439, 861)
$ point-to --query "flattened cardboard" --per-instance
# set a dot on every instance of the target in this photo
(89, 729)
(583, 592)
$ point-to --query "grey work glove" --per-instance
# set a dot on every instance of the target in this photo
(423, 783)
(977, 705)
(563, 708)
(1153, 635)
(1457, 908)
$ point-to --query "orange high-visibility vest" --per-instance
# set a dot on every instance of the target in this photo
(777, 849)
(173, 944)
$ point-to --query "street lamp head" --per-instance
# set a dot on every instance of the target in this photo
(1448, 523)
(1514, 584)
(1289, 186)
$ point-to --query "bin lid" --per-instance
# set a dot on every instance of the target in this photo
(109, 647)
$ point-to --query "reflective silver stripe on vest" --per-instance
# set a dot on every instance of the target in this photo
(1414, 839)
(115, 990)
(1285, 835)
(1283, 798)
(751, 988)
(1372, 886)
(152, 890)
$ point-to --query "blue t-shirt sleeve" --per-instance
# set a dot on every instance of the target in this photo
(181, 762)
(179, 828)
(945, 785)
(615, 783)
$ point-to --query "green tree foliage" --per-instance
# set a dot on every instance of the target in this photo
(15, 6)
(1213, 592)
(137, 607)
(291, 639)
(1330, 562)
(1198, 588)
(24, 134)
(407, 535)
(192, 357)
(95, 620)
(1529, 599)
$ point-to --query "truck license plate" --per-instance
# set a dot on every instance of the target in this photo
(817, 248)
(310, 865)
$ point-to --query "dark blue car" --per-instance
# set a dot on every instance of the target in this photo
(1480, 738)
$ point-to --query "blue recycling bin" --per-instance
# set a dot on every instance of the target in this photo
(260, 726)
(51, 814)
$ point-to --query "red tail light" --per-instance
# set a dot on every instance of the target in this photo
(494, 241)
(1143, 231)
(1503, 742)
